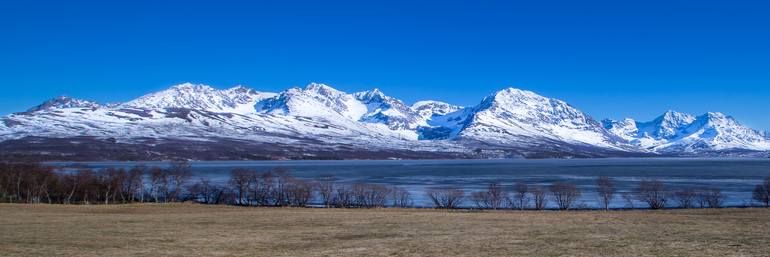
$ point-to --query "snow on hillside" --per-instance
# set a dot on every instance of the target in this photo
(321, 117)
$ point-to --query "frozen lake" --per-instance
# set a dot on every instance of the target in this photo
(735, 177)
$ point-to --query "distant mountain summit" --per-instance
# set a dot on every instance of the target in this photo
(514, 116)
(63, 102)
(238, 99)
(681, 133)
(427, 109)
(197, 121)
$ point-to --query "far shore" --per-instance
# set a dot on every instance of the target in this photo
(412, 160)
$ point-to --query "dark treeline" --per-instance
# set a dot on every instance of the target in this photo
(35, 183)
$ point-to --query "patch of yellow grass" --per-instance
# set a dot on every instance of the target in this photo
(199, 230)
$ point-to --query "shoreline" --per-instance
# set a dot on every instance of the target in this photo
(722, 158)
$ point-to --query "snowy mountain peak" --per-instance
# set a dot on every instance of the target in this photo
(191, 86)
(667, 126)
(675, 132)
(718, 116)
(514, 116)
(387, 110)
(527, 104)
(315, 100)
(514, 97)
(62, 102)
(430, 108)
(516, 91)
(674, 117)
(712, 120)
(372, 95)
(508, 94)
(240, 89)
(323, 89)
(200, 97)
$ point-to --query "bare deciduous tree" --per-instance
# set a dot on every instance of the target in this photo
(539, 197)
(653, 193)
(240, 180)
(280, 187)
(714, 197)
(179, 173)
(606, 190)
(159, 183)
(299, 192)
(685, 197)
(203, 191)
(343, 197)
(262, 191)
(761, 192)
(492, 198)
(134, 185)
(446, 198)
(564, 194)
(326, 190)
(401, 198)
(520, 198)
(370, 195)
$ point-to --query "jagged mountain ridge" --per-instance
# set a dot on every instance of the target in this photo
(319, 121)
(675, 132)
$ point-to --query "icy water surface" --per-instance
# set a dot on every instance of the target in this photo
(735, 177)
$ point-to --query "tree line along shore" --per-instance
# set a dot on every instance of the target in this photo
(34, 183)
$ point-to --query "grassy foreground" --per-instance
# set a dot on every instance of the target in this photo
(198, 230)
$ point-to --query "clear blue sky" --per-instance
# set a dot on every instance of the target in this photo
(609, 58)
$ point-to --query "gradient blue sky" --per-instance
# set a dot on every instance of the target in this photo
(609, 58)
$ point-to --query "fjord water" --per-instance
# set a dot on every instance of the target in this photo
(735, 177)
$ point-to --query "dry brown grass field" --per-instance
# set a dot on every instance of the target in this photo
(199, 230)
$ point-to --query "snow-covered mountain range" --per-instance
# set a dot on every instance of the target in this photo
(318, 122)
(681, 133)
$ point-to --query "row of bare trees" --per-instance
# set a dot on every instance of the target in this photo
(35, 183)
(279, 188)
(523, 196)
(652, 194)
